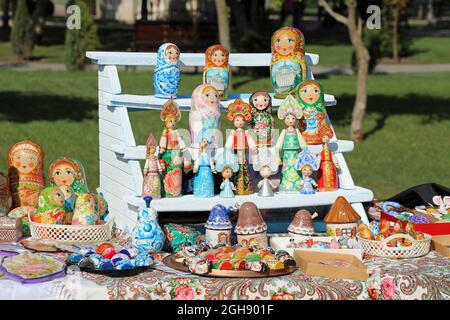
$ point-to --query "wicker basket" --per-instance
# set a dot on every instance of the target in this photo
(72, 233)
(380, 249)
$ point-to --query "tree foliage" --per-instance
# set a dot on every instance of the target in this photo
(22, 32)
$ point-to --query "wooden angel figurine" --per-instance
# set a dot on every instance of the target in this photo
(5, 195)
(216, 71)
(314, 124)
(227, 164)
(262, 120)
(267, 165)
(152, 169)
(171, 147)
(290, 142)
(288, 65)
(307, 163)
(203, 170)
(166, 77)
(240, 140)
(327, 175)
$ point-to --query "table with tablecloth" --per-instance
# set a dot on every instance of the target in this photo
(422, 278)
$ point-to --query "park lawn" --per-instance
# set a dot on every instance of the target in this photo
(407, 126)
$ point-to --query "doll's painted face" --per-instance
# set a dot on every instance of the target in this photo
(239, 122)
(223, 238)
(218, 57)
(307, 170)
(290, 120)
(25, 161)
(265, 172)
(203, 144)
(260, 101)
(67, 191)
(58, 196)
(170, 122)
(227, 173)
(285, 42)
(172, 53)
(310, 93)
(210, 97)
(63, 174)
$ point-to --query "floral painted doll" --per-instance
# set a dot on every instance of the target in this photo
(327, 175)
(307, 163)
(314, 125)
(203, 170)
(85, 212)
(240, 140)
(67, 171)
(166, 77)
(5, 195)
(69, 202)
(227, 164)
(205, 115)
(26, 173)
(267, 165)
(51, 206)
(152, 170)
(290, 142)
(262, 120)
(171, 148)
(216, 71)
(288, 66)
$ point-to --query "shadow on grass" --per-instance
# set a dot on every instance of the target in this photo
(22, 108)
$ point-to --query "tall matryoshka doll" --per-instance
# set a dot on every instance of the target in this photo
(216, 71)
(262, 120)
(166, 77)
(67, 171)
(314, 126)
(26, 173)
(288, 66)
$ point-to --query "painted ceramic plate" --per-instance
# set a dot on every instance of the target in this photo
(39, 245)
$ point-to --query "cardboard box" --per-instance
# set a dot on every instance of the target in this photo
(310, 264)
(430, 228)
(281, 243)
(441, 245)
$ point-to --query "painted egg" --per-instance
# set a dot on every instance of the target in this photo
(75, 258)
(109, 253)
(143, 260)
(124, 265)
(131, 252)
(103, 247)
(119, 257)
(96, 259)
(86, 263)
(87, 251)
(105, 264)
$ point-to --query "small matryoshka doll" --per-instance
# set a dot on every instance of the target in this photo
(5, 195)
(51, 206)
(152, 169)
(262, 120)
(240, 140)
(218, 226)
(67, 171)
(166, 77)
(171, 148)
(216, 71)
(288, 66)
(205, 115)
(227, 164)
(85, 212)
(26, 173)
(250, 227)
(314, 124)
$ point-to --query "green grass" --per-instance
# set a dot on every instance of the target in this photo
(407, 126)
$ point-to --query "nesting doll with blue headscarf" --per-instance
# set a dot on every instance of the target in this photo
(166, 78)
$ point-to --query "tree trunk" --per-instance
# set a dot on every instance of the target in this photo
(431, 19)
(144, 10)
(5, 17)
(223, 23)
(39, 20)
(238, 12)
(395, 22)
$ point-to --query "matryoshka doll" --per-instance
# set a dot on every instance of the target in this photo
(290, 142)
(327, 175)
(26, 173)
(218, 226)
(5, 195)
(262, 120)
(85, 212)
(51, 206)
(250, 227)
(166, 77)
(204, 116)
(216, 71)
(67, 171)
(314, 126)
(288, 65)
(171, 148)
(240, 140)
(152, 169)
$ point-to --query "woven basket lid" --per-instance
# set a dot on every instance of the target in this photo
(341, 212)
(250, 220)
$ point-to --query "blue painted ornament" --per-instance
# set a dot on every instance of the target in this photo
(131, 252)
(119, 257)
(105, 264)
(166, 78)
(144, 259)
(124, 265)
(374, 227)
(75, 258)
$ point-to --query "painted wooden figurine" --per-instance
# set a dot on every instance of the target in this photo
(307, 163)
(267, 165)
(250, 226)
(314, 126)
(67, 171)
(85, 212)
(290, 142)
(288, 66)
(203, 170)
(205, 115)
(26, 173)
(216, 71)
(51, 206)
(171, 148)
(152, 169)
(166, 77)
(5, 195)
(218, 226)
(262, 120)
(240, 140)
(227, 164)
(327, 175)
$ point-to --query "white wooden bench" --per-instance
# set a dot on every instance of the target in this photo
(120, 171)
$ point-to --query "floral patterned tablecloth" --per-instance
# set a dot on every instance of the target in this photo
(421, 278)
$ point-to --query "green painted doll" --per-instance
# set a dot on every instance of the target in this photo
(51, 206)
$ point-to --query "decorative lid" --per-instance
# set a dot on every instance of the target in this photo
(341, 212)
(218, 218)
(302, 223)
(250, 220)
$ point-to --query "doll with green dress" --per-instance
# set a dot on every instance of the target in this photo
(290, 143)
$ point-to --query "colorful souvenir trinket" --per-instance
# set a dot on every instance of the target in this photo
(342, 219)
(250, 226)
(51, 206)
(307, 163)
(302, 223)
(85, 212)
(218, 226)
(266, 163)
(262, 120)
(203, 171)
(227, 164)
(166, 77)
(216, 72)
(327, 175)
(152, 169)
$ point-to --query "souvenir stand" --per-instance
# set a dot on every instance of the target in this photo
(120, 172)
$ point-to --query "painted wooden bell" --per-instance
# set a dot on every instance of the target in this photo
(250, 227)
